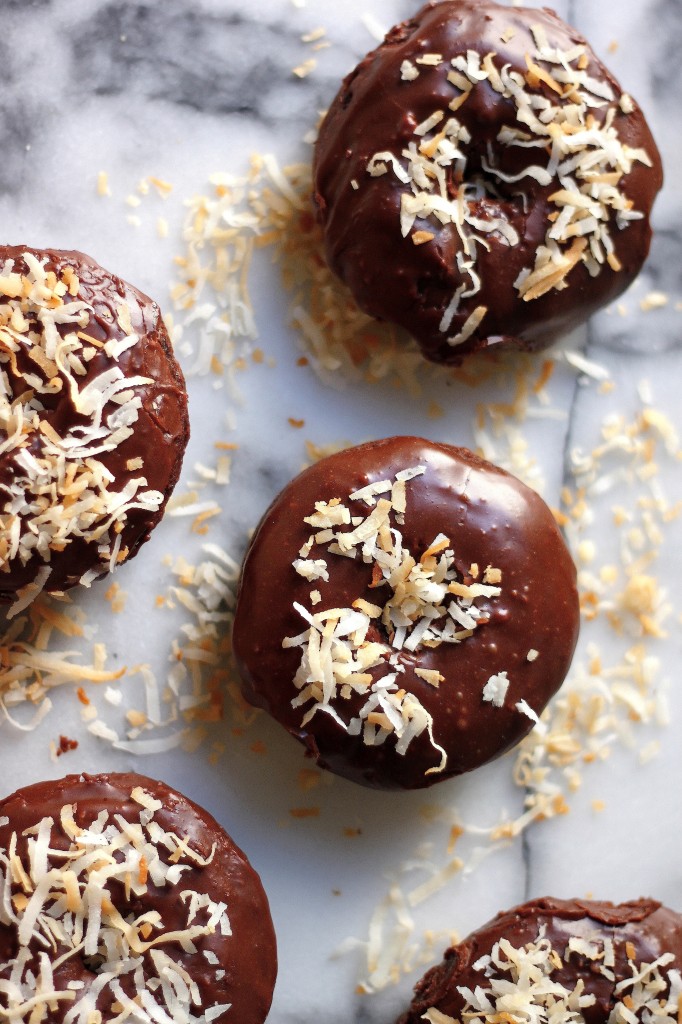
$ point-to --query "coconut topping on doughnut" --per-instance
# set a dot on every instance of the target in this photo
(408, 652)
(558, 961)
(61, 901)
(60, 489)
(428, 604)
(523, 985)
(478, 170)
(586, 160)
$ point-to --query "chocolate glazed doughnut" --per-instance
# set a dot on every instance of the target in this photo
(119, 894)
(405, 610)
(93, 413)
(607, 962)
(482, 179)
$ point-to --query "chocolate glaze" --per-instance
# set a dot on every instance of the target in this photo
(491, 518)
(160, 434)
(248, 956)
(395, 280)
(651, 928)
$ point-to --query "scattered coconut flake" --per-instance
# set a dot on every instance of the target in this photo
(654, 300)
(495, 690)
(408, 72)
(103, 184)
(304, 69)
(314, 35)
(587, 366)
(373, 26)
(527, 710)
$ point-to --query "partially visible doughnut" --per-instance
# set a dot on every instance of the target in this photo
(406, 610)
(93, 420)
(121, 896)
(560, 960)
(482, 179)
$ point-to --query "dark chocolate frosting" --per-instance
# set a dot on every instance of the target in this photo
(160, 431)
(376, 112)
(640, 931)
(491, 519)
(234, 965)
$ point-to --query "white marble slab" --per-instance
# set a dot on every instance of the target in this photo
(182, 90)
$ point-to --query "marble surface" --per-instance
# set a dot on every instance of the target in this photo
(180, 91)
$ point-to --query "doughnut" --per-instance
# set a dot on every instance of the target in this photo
(124, 900)
(405, 610)
(560, 960)
(481, 179)
(93, 421)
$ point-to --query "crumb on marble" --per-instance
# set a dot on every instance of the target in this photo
(103, 184)
(163, 188)
(314, 35)
(653, 300)
(305, 68)
(308, 778)
(304, 812)
(65, 745)
(649, 752)
(116, 597)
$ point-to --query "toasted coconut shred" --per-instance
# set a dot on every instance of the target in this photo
(428, 604)
(59, 489)
(521, 985)
(33, 659)
(181, 709)
(60, 901)
(587, 161)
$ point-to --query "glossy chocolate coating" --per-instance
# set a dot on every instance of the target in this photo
(411, 285)
(651, 928)
(160, 433)
(491, 518)
(248, 956)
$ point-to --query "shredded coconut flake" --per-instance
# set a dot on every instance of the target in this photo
(495, 690)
